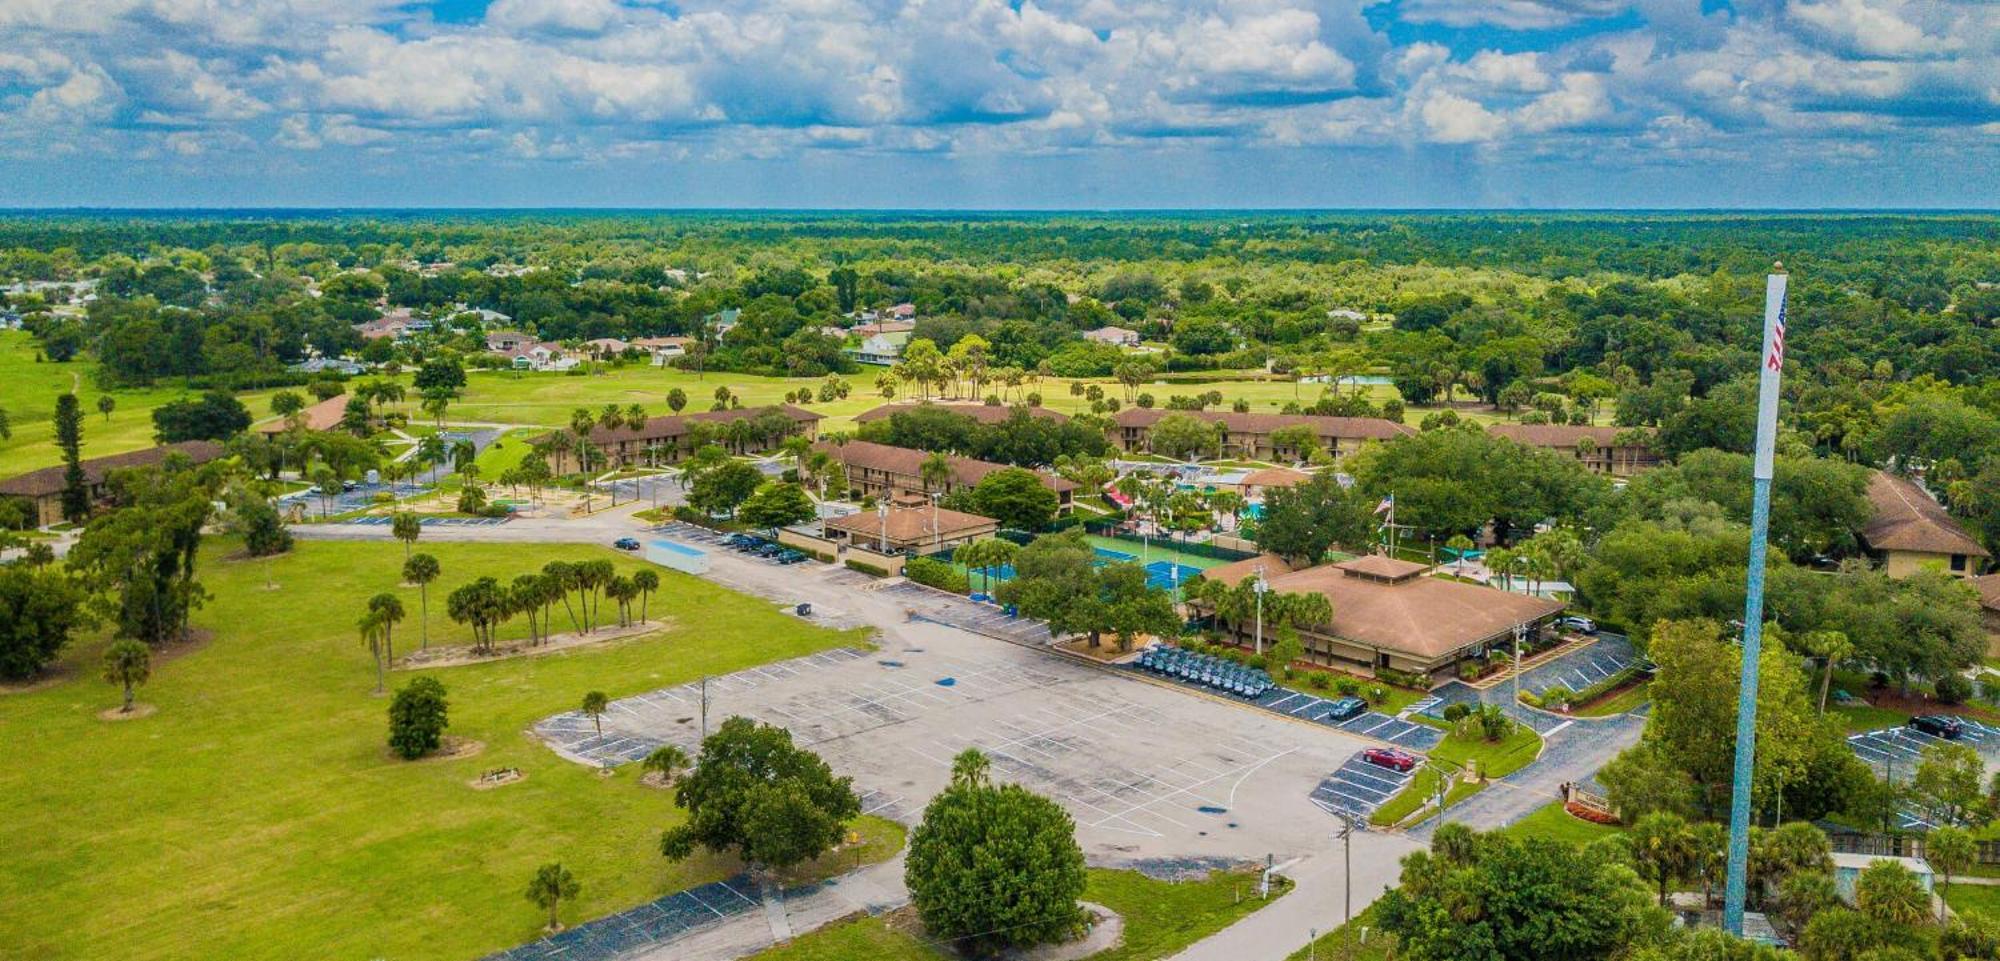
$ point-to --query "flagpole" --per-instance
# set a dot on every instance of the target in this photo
(1753, 601)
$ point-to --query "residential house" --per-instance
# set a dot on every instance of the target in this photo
(901, 312)
(336, 365)
(722, 321)
(883, 327)
(880, 470)
(881, 349)
(1393, 614)
(1249, 435)
(983, 413)
(543, 356)
(1617, 451)
(42, 489)
(1910, 530)
(663, 349)
(503, 341)
(606, 347)
(1115, 336)
(324, 415)
(1989, 610)
(667, 439)
(909, 524)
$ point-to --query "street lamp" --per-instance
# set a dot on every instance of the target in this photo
(882, 531)
(1258, 587)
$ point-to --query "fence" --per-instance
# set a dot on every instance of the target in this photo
(1901, 846)
(1195, 548)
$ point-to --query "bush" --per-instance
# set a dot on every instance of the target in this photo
(1319, 680)
(417, 718)
(1468, 670)
(1555, 697)
(1989, 686)
(1528, 698)
(938, 574)
(867, 568)
(1458, 711)
(1952, 689)
(1259, 662)
(1396, 678)
(1346, 686)
(1377, 693)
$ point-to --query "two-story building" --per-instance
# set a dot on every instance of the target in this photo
(668, 439)
(1249, 435)
(1617, 451)
(1910, 531)
(882, 470)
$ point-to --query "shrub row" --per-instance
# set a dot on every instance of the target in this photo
(866, 568)
(936, 573)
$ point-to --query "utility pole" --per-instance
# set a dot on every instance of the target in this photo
(704, 707)
(1736, 885)
(1258, 587)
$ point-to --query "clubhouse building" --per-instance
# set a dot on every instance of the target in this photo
(1910, 531)
(42, 489)
(1393, 614)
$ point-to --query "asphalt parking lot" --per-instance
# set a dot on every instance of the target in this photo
(1579, 669)
(1357, 788)
(1894, 752)
(1146, 771)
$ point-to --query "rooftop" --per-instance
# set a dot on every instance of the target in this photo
(1394, 605)
(983, 413)
(324, 415)
(909, 462)
(49, 480)
(1908, 518)
(909, 524)
(1275, 477)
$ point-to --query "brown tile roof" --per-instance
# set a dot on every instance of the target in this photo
(1428, 617)
(49, 480)
(1365, 428)
(983, 413)
(1989, 590)
(324, 415)
(909, 462)
(1275, 477)
(1556, 435)
(911, 524)
(1909, 519)
(676, 425)
(1235, 571)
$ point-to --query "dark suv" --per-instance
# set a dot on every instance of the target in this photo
(1938, 725)
(1341, 709)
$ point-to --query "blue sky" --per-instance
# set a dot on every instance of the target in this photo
(1001, 103)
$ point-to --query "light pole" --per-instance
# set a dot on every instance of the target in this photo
(1346, 839)
(1258, 587)
(882, 531)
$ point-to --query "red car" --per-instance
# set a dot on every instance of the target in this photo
(1390, 758)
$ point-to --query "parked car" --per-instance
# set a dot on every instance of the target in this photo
(1390, 758)
(1340, 709)
(626, 544)
(1581, 625)
(1938, 725)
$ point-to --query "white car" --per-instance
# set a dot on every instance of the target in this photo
(1581, 625)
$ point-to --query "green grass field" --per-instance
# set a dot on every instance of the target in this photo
(1551, 821)
(258, 814)
(1161, 918)
(1974, 898)
(1494, 759)
(29, 397)
(1623, 702)
(1345, 943)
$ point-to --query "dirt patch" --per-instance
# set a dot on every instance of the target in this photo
(655, 779)
(451, 747)
(139, 709)
(498, 777)
(460, 655)
(174, 650)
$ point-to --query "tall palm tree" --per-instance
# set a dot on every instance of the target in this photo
(371, 638)
(391, 610)
(935, 472)
(421, 570)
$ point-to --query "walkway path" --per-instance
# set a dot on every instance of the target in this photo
(1571, 752)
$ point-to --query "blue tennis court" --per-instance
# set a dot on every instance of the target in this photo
(1106, 555)
(1004, 572)
(1168, 575)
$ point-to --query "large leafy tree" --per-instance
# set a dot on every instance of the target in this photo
(993, 867)
(215, 415)
(1500, 898)
(1457, 479)
(1016, 498)
(1303, 522)
(417, 718)
(777, 504)
(755, 794)
(722, 489)
(1183, 435)
(38, 611)
(139, 559)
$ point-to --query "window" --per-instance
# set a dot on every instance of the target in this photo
(1958, 563)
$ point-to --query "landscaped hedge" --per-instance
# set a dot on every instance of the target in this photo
(938, 574)
(867, 568)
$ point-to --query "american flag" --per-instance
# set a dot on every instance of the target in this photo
(1388, 504)
(1777, 359)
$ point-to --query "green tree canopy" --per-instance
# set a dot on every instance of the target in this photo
(754, 794)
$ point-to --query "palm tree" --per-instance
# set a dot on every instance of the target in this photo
(371, 638)
(1832, 647)
(646, 582)
(407, 528)
(1459, 545)
(391, 609)
(551, 886)
(935, 472)
(128, 664)
(562, 577)
(666, 761)
(421, 570)
(594, 706)
(559, 443)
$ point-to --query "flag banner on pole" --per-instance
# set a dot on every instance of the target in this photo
(1388, 504)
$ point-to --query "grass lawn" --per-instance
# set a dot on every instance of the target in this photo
(1495, 760)
(1974, 898)
(30, 399)
(1551, 821)
(258, 814)
(1623, 702)
(1161, 918)
(1865, 717)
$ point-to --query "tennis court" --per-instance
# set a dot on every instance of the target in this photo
(1005, 572)
(1168, 575)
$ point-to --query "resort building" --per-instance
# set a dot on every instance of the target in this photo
(1605, 450)
(324, 415)
(1910, 531)
(1393, 614)
(881, 470)
(42, 489)
(1249, 435)
(668, 439)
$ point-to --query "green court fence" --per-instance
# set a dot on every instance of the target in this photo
(1195, 548)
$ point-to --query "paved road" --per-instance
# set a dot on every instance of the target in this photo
(1572, 752)
(1316, 903)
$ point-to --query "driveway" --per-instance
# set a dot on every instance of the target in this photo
(1572, 751)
